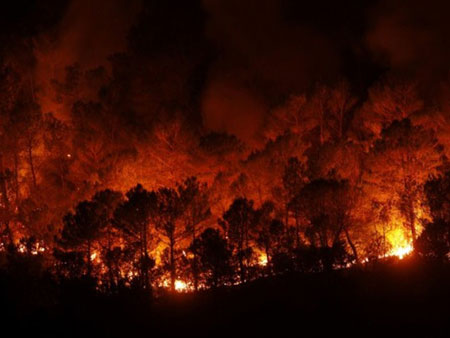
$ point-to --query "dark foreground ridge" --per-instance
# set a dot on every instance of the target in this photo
(396, 298)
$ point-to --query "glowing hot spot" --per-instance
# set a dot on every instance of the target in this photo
(181, 286)
(262, 260)
(401, 245)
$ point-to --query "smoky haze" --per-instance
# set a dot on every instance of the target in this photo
(87, 34)
(260, 52)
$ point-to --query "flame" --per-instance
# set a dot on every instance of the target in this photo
(181, 286)
(401, 245)
(262, 259)
(22, 248)
(95, 257)
(401, 252)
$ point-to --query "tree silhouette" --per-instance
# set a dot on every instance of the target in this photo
(168, 213)
(269, 231)
(82, 229)
(294, 179)
(238, 223)
(214, 257)
(437, 191)
(195, 200)
(327, 205)
(10, 95)
(434, 241)
(134, 217)
(107, 201)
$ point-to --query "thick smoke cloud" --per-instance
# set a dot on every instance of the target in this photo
(87, 34)
(233, 109)
(264, 58)
(262, 51)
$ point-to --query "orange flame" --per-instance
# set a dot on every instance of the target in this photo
(401, 245)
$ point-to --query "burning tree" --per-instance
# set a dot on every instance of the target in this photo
(269, 233)
(398, 166)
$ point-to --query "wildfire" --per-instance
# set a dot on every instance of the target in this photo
(35, 250)
(401, 252)
(181, 286)
(262, 259)
(401, 245)
(95, 257)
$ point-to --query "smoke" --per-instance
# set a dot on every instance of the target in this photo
(87, 34)
(228, 107)
(264, 57)
(275, 52)
(412, 38)
(265, 50)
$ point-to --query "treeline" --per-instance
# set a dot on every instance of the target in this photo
(116, 239)
(152, 239)
(334, 178)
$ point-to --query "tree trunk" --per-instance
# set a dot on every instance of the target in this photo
(89, 262)
(241, 266)
(352, 245)
(16, 176)
(144, 259)
(5, 201)
(172, 262)
(30, 162)
(408, 206)
(194, 263)
(109, 263)
(241, 258)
